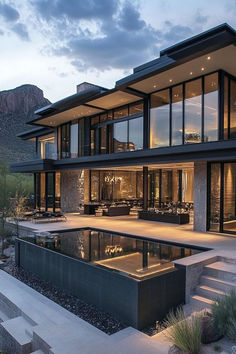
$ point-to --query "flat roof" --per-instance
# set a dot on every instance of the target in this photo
(189, 50)
(34, 133)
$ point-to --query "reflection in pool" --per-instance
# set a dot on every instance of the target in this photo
(130, 255)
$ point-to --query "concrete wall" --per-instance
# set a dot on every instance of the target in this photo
(136, 303)
(200, 196)
(72, 190)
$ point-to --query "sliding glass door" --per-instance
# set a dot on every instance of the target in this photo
(222, 197)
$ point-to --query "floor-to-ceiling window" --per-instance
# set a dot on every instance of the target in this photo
(187, 113)
(115, 185)
(119, 130)
(47, 191)
(177, 115)
(222, 197)
(159, 119)
(193, 111)
(211, 118)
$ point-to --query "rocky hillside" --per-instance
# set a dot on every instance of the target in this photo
(16, 108)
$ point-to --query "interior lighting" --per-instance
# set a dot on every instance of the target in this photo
(202, 69)
(208, 58)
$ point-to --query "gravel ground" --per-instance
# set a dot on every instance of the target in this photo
(103, 321)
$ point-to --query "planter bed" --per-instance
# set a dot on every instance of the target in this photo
(166, 217)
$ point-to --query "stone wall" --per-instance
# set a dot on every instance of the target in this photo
(200, 196)
(72, 190)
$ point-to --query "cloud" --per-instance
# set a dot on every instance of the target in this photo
(176, 33)
(21, 30)
(101, 35)
(74, 9)
(8, 12)
(1, 32)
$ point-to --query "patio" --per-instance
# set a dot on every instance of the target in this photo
(222, 244)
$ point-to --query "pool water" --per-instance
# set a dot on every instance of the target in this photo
(130, 255)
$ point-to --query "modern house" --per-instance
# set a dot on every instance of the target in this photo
(162, 138)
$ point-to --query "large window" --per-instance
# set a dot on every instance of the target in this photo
(107, 135)
(47, 147)
(188, 113)
(74, 140)
(211, 108)
(120, 136)
(47, 191)
(65, 140)
(229, 107)
(193, 111)
(177, 115)
(232, 109)
(136, 134)
(116, 185)
(159, 119)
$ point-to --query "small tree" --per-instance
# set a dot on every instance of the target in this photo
(18, 209)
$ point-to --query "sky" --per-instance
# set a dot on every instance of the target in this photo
(57, 44)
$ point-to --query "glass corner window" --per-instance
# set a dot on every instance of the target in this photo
(47, 147)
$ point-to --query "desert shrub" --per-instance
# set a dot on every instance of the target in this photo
(184, 333)
(224, 315)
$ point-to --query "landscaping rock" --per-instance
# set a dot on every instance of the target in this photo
(209, 331)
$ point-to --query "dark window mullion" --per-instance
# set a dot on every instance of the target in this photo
(183, 120)
(170, 117)
(202, 121)
(229, 108)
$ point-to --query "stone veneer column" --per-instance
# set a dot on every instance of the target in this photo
(200, 196)
(72, 190)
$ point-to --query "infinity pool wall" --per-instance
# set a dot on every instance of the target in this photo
(137, 303)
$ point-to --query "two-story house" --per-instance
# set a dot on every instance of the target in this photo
(164, 134)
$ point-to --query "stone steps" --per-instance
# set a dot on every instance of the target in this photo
(221, 270)
(16, 335)
(218, 279)
(223, 285)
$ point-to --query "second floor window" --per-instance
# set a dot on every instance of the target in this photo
(186, 113)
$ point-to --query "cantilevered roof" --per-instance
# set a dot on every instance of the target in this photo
(83, 104)
(34, 133)
(91, 101)
(68, 108)
(209, 51)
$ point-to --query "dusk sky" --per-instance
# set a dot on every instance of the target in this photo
(56, 44)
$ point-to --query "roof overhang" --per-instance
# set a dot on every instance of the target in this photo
(35, 133)
(186, 60)
(78, 106)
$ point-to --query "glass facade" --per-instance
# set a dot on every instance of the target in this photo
(177, 115)
(222, 197)
(116, 185)
(47, 191)
(159, 119)
(229, 107)
(47, 147)
(167, 186)
(74, 134)
(187, 113)
(211, 118)
(108, 136)
(120, 136)
(193, 112)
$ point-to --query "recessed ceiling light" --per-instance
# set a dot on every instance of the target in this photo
(170, 80)
(202, 69)
(208, 58)
(154, 86)
(191, 73)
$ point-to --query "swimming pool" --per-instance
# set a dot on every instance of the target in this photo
(128, 254)
(131, 277)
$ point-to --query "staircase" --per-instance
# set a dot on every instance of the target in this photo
(217, 280)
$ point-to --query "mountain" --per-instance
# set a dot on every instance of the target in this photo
(17, 106)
